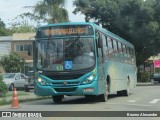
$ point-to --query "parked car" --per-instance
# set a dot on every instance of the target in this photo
(17, 80)
(155, 77)
(30, 84)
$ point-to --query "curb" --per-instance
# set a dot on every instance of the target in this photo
(146, 84)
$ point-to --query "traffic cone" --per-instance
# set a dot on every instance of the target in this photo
(15, 103)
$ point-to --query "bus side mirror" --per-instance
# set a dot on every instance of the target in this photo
(29, 50)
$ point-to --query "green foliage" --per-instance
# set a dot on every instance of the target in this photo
(2, 24)
(137, 21)
(4, 31)
(3, 87)
(12, 62)
(22, 23)
(51, 11)
(143, 77)
(157, 70)
(22, 29)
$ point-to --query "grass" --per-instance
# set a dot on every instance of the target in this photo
(4, 101)
(20, 93)
(24, 97)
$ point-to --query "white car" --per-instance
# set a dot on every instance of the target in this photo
(17, 80)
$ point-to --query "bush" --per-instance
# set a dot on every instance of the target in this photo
(3, 87)
(143, 77)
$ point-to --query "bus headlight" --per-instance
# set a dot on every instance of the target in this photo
(41, 81)
(89, 79)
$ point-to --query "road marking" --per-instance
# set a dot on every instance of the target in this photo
(131, 101)
(130, 104)
(154, 101)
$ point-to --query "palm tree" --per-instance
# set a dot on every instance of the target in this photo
(51, 11)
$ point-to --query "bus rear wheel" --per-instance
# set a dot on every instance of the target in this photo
(120, 93)
(127, 91)
(124, 92)
(57, 99)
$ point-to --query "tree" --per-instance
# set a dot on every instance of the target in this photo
(3, 87)
(2, 24)
(51, 11)
(22, 23)
(3, 30)
(133, 20)
(12, 63)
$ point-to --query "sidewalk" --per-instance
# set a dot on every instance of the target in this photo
(148, 84)
(144, 84)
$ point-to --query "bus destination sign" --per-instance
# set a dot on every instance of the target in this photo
(65, 31)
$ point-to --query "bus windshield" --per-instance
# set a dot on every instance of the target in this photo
(65, 54)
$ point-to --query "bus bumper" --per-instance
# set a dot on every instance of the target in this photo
(88, 89)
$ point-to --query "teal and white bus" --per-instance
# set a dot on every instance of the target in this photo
(82, 59)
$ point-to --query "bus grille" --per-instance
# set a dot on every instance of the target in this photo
(65, 89)
(64, 77)
(68, 83)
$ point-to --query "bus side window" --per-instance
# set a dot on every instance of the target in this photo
(115, 49)
(120, 52)
(132, 56)
(105, 49)
(128, 55)
(125, 53)
(110, 48)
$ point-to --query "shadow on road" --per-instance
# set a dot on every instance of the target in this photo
(73, 100)
(84, 100)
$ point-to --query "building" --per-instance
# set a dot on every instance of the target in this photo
(18, 43)
(5, 45)
(155, 60)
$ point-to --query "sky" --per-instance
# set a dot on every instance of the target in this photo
(9, 9)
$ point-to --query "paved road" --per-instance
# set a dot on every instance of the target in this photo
(142, 98)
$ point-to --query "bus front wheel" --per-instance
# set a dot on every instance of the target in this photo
(57, 99)
(104, 97)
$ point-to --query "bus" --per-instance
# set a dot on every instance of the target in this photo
(82, 59)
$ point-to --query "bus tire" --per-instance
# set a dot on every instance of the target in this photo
(57, 99)
(126, 92)
(120, 93)
(104, 97)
